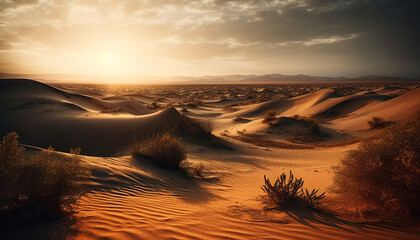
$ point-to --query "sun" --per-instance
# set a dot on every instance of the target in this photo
(109, 60)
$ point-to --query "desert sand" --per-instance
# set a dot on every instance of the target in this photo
(133, 199)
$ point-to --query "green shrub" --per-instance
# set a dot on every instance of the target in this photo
(44, 185)
(382, 176)
(164, 150)
(269, 116)
(288, 193)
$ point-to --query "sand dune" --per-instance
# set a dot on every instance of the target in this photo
(134, 199)
(63, 121)
(404, 107)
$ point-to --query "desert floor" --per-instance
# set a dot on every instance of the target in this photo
(134, 199)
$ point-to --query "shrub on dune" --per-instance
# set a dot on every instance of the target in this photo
(377, 122)
(53, 182)
(199, 130)
(45, 185)
(164, 150)
(193, 127)
(382, 176)
(269, 116)
(284, 194)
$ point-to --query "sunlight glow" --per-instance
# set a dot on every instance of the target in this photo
(109, 60)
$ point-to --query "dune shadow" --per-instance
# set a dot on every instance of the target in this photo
(58, 229)
(310, 218)
(177, 183)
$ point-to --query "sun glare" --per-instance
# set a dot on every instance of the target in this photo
(109, 60)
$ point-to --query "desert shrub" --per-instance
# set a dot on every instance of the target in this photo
(193, 127)
(308, 120)
(382, 176)
(154, 106)
(199, 131)
(44, 185)
(288, 193)
(269, 116)
(164, 150)
(377, 122)
(301, 137)
(11, 162)
(54, 183)
(230, 109)
(199, 169)
(112, 110)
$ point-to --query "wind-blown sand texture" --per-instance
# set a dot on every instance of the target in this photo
(133, 199)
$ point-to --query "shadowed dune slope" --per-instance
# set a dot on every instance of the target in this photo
(24, 93)
(402, 108)
(44, 116)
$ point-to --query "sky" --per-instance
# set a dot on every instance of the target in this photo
(210, 37)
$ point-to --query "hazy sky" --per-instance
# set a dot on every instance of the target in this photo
(199, 37)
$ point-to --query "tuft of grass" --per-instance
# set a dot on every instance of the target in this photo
(164, 150)
(286, 193)
(377, 122)
(43, 186)
(269, 116)
(382, 176)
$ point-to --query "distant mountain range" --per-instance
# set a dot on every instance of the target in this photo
(267, 78)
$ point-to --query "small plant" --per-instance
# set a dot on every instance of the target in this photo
(154, 106)
(199, 169)
(301, 138)
(312, 199)
(164, 150)
(377, 122)
(284, 193)
(112, 110)
(269, 116)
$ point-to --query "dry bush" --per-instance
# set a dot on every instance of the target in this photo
(382, 176)
(301, 137)
(307, 120)
(200, 131)
(377, 122)
(11, 164)
(45, 185)
(269, 116)
(193, 127)
(53, 182)
(154, 106)
(112, 110)
(164, 150)
(230, 109)
(284, 194)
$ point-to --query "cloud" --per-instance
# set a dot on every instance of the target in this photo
(349, 32)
